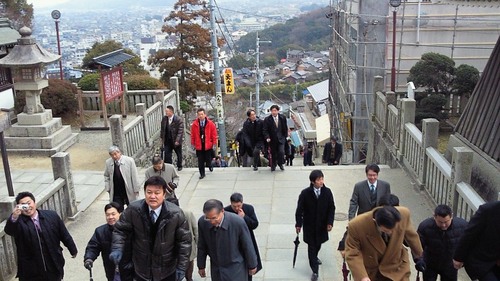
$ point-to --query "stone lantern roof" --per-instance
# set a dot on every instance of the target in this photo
(27, 53)
(8, 35)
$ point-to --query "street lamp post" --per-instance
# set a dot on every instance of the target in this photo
(395, 4)
(56, 15)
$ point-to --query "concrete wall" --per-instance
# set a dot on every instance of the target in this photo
(485, 170)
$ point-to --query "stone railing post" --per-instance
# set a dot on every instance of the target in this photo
(430, 134)
(174, 85)
(140, 108)
(390, 98)
(461, 171)
(61, 168)
(117, 135)
(378, 86)
(159, 97)
(124, 101)
(406, 114)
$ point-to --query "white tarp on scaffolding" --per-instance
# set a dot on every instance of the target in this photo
(322, 129)
(319, 91)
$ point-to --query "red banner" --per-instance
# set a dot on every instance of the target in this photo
(112, 84)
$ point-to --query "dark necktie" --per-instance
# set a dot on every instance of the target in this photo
(153, 216)
(117, 168)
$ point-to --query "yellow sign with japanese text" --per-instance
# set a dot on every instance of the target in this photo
(228, 81)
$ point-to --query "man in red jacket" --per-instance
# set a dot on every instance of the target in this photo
(203, 140)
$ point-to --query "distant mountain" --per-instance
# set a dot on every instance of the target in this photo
(310, 31)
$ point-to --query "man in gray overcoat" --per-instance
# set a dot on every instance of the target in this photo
(226, 239)
(121, 178)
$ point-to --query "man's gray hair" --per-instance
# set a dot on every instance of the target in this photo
(113, 148)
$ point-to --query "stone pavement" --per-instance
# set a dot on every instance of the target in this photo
(274, 196)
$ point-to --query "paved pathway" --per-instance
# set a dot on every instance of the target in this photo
(274, 196)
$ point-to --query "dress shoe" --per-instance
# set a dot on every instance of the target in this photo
(319, 261)
(211, 168)
(273, 169)
(202, 176)
(281, 167)
(255, 168)
(314, 277)
(179, 169)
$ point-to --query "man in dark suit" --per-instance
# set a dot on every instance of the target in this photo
(172, 134)
(226, 239)
(332, 152)
(290, 152)
(315, 212)
(246, 212)
(479, 248)
(366, 194)
(252, 131)
(38, 235)
(275, 133)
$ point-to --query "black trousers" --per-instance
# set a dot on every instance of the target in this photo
(121, 199)
(256, 156)
(45, 276)
(278, 154)
(446, 274)
(167, 150)
(171, 277)
(204, 158)
(312, 254)
(492, 275)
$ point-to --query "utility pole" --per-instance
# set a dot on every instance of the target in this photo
(217, 81)
(257, 74)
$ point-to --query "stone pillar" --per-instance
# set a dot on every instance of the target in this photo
(378, 86)
(390, 98)
(430, 133)
(407, 115)
(174, 85)
(117, 135)
(461, 171)
(124, 101)
(61, 168)
(140, 109)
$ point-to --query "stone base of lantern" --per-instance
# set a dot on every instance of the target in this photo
(39, 134)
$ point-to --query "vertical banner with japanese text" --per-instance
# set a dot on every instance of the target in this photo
(228, 81)
(112, 84)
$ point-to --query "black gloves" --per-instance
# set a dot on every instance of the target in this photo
(88, 264)
(420, 264)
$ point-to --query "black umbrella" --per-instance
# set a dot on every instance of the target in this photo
(345, 271)
(418, 275)
(90, 270)
(296, 242)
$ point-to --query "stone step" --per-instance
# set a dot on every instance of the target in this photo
(39, 142)
(65, 144)
(44, 130)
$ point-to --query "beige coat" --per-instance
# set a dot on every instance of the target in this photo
(130, 176)
(193, 227)
(367, 253)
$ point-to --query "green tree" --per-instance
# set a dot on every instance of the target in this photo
(89, 82)
(18, 11)
(129, 67)
(270, 61)
(60, 96)
(193, 49)
(433, 71)
(466, 78)
(240, 61)
(143, 82)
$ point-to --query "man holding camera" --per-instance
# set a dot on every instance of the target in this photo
(38, 234)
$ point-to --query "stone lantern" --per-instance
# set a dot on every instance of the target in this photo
(36, 131)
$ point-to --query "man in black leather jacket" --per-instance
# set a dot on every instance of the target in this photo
(100, 243)
(159, 232)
